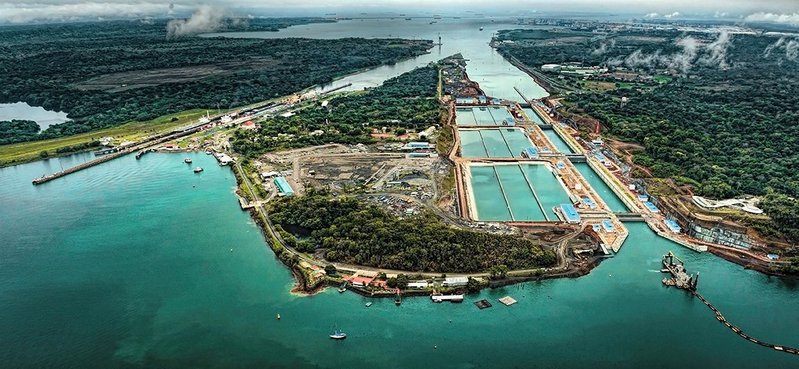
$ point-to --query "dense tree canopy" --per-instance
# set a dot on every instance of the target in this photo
(17, 130)
(406, 101)
(352, 232)
(728, 126)
(108, 73)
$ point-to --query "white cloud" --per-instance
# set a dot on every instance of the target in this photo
(38, 12)
(792, 19)
(716, 51)
(672, 15)
(205, 19)
(652, 15)
(789, 46)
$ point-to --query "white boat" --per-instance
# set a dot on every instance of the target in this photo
(338, 334)
(368, 304)
(187, 160)
(198, 169)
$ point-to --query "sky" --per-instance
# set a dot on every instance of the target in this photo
(27, 11)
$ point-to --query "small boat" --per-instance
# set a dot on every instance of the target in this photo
(342, 288)
(198, 169)
(187, 160)
(398, 299)
(481, 28)
(338, 334)
(207, 152)
(278, 316)
(368, 304)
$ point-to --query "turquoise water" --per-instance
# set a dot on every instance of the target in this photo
(518, 182)
(500, 114)
(550, 192)
(519, 193)
(472, 144)
(517, 140)
(533, 115)
(482, 116)
(494, 143)
(614, 203)
(128, 265)
(489, 199)
(465, 117)
(560, 145)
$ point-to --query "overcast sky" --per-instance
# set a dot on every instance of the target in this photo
(23, 11)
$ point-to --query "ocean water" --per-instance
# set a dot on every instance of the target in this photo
(129, 265)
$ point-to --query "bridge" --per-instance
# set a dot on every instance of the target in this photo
(630, 217)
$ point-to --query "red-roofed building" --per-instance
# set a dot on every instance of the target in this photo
(249, 125)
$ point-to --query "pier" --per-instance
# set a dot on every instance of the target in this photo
(681, 279)
(140, 146)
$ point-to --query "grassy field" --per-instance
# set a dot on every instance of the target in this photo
(27, 151)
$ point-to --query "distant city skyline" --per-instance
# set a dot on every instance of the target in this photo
(778, 11)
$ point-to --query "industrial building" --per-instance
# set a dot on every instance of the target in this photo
(283, 187)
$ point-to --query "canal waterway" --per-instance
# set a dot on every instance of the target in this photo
(496, 76)
(614, 202)
(129, 264)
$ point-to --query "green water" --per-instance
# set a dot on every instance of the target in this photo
(533, 115)
(472, 144)
(518, 183)
(500, 114)
(493, 143)
(489, 200)
(519, 194)
(483, 116)
(560, 145)
(549, 190)
(128, 265)
(465, 117)
(614, 203)
(517, 140)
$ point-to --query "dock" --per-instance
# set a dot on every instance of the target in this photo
(450, 298)
(507, 300)
(681, 279)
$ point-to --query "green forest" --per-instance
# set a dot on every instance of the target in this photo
(351, 231)
(108, 73)
(727, 127)
(18, 130)
(407, 101)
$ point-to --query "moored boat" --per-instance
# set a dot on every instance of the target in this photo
(187, 160)
(198, 169)
(338, 334)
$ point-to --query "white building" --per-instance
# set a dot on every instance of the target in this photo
(455, 281)
(550, 68)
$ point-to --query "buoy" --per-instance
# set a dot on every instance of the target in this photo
(231, 250)
(278, 316)
(435, 347)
